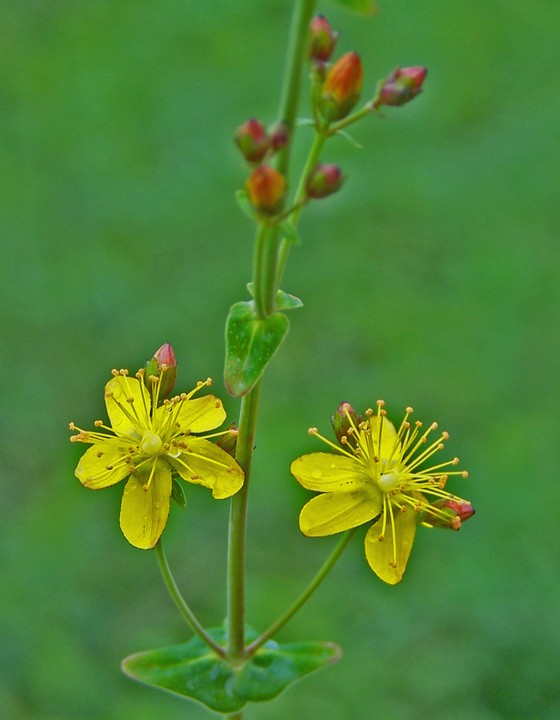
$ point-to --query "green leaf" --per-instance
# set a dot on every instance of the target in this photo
(274, 667)
(250, 344)
(194, 671)
(283, 301)
(362, 7)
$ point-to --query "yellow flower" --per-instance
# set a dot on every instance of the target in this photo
(147, 442)
(379, 475)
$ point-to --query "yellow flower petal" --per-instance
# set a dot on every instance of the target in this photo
(128, 406)
(145, 506)
(335, 512)
(327, 472)
(381, 554)
(389, 436)
(103, 464)
(204, 463)
(201, 414)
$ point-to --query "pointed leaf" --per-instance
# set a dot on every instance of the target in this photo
(362, 7)
(250, 344)
(245, 204)
(195, 672)
(274, 667)
(191, 670)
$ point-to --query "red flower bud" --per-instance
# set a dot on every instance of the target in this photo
(163, 363)
(451, 513)
(253, 140)
(324, 180)
(322, 39)
(343, 422)
(279, 135)
(401, 86)
(342, 87)
(266, 188)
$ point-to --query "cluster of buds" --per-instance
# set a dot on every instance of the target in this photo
(265, 187)
(256, 142)
(341, 84)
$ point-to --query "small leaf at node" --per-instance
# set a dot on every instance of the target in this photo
(250, 344)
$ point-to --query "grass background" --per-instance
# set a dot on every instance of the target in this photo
(431, 280)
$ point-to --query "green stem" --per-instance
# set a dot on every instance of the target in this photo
(182, 606)
(312, 158)
(238, 526)
(289, 101)
(264, 278)
(304, 597)
(258, 275)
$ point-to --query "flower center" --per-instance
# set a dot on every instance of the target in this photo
(389, 481)
(151, 443)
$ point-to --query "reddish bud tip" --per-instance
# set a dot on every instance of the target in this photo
(266, 188)
(163, 364)
(400, 87)
(165, 356)
(451, 513)
(322, 39)
(324, 180)
(252, 140)
(342, 87)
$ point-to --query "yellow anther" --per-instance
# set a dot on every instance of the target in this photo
(409, 410)
(98, 423)
(312, 431)
(465, 474)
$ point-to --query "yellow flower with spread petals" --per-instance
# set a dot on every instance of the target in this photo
(379, 474)
(147, 442)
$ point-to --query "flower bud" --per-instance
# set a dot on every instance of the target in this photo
(401, 86)
(228, 441)
(342, 87)
(324, 180)
(279, 135)
(253, 140)
(344, 421)
(266, 188)
(322, 39)
(164, 363)
(452, 513)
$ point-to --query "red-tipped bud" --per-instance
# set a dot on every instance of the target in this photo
(400, 87)
(266, 188)
(163, 363)
(345, 422)
(342, 87)
(324, 180)
(451, 513)
(322, 39)
(253, 140)
(279, 135)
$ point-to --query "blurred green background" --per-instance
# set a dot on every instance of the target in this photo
(430, 280)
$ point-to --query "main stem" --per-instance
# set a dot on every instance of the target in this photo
(303, 12)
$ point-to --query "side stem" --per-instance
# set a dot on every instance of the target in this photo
(304, 597)
(182, 606)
